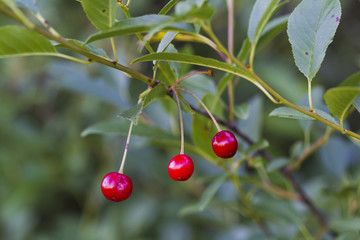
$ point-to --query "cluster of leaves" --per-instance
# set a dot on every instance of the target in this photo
(258, 194)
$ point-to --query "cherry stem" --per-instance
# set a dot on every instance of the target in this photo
(180, 119)
(209, 72)
(204, 106)
(121, 170)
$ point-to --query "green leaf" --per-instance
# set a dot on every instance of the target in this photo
(242, 111)
(97, 51)
(185, 106)
(262, 144)
(19, 41)
(223, 83)
(191, 15)
(206, 197)
(345, 225)
(118, 127)
(339, 100)
(210, 192)
(139, 25)
(349, 236)
(196, 60)
(166, 40)
(287, 112)
(277, 164)
(132, 113)
(28, 4)
(311, 28)
(353, 80)
(260, 15)
(159, 91)
(101, 13)
(167, 7)
(245, 50)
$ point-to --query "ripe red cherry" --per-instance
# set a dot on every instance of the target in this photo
(116, 186)
(180, 167)
(224, 144)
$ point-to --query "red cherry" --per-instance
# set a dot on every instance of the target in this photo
(224, 144)
(116, 186)
(181, 167)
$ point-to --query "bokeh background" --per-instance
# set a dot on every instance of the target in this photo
(50, 176)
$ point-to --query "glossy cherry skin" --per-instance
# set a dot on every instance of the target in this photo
(116, 187)
(181, 167)
(224, 144)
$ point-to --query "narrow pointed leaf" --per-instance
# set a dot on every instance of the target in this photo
(346, 225)
(19, 41)
(206, 197)
(210, 192)
(132, 113)
(311, 29)
(28, 4)
(260, 15)
(157, 92)
(196, 60)
(167, 7)
(139, 25)
(118, 127)
(101, 13)
(286, 112)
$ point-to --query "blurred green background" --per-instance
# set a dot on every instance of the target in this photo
(50, 176)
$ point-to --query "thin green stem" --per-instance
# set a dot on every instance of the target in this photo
(181, 121)
(46, 24)
(114, 49)
(310, 150)
(252, 56)
(121, 170)
(309, 95)
(204, 106)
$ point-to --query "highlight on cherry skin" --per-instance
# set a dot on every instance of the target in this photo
(181, 167)
(225, 144)
(116, 186)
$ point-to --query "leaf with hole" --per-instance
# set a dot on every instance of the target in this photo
(311, 28)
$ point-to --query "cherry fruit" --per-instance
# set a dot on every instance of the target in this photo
(180, 167)
(116, 186)
(224, 144)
